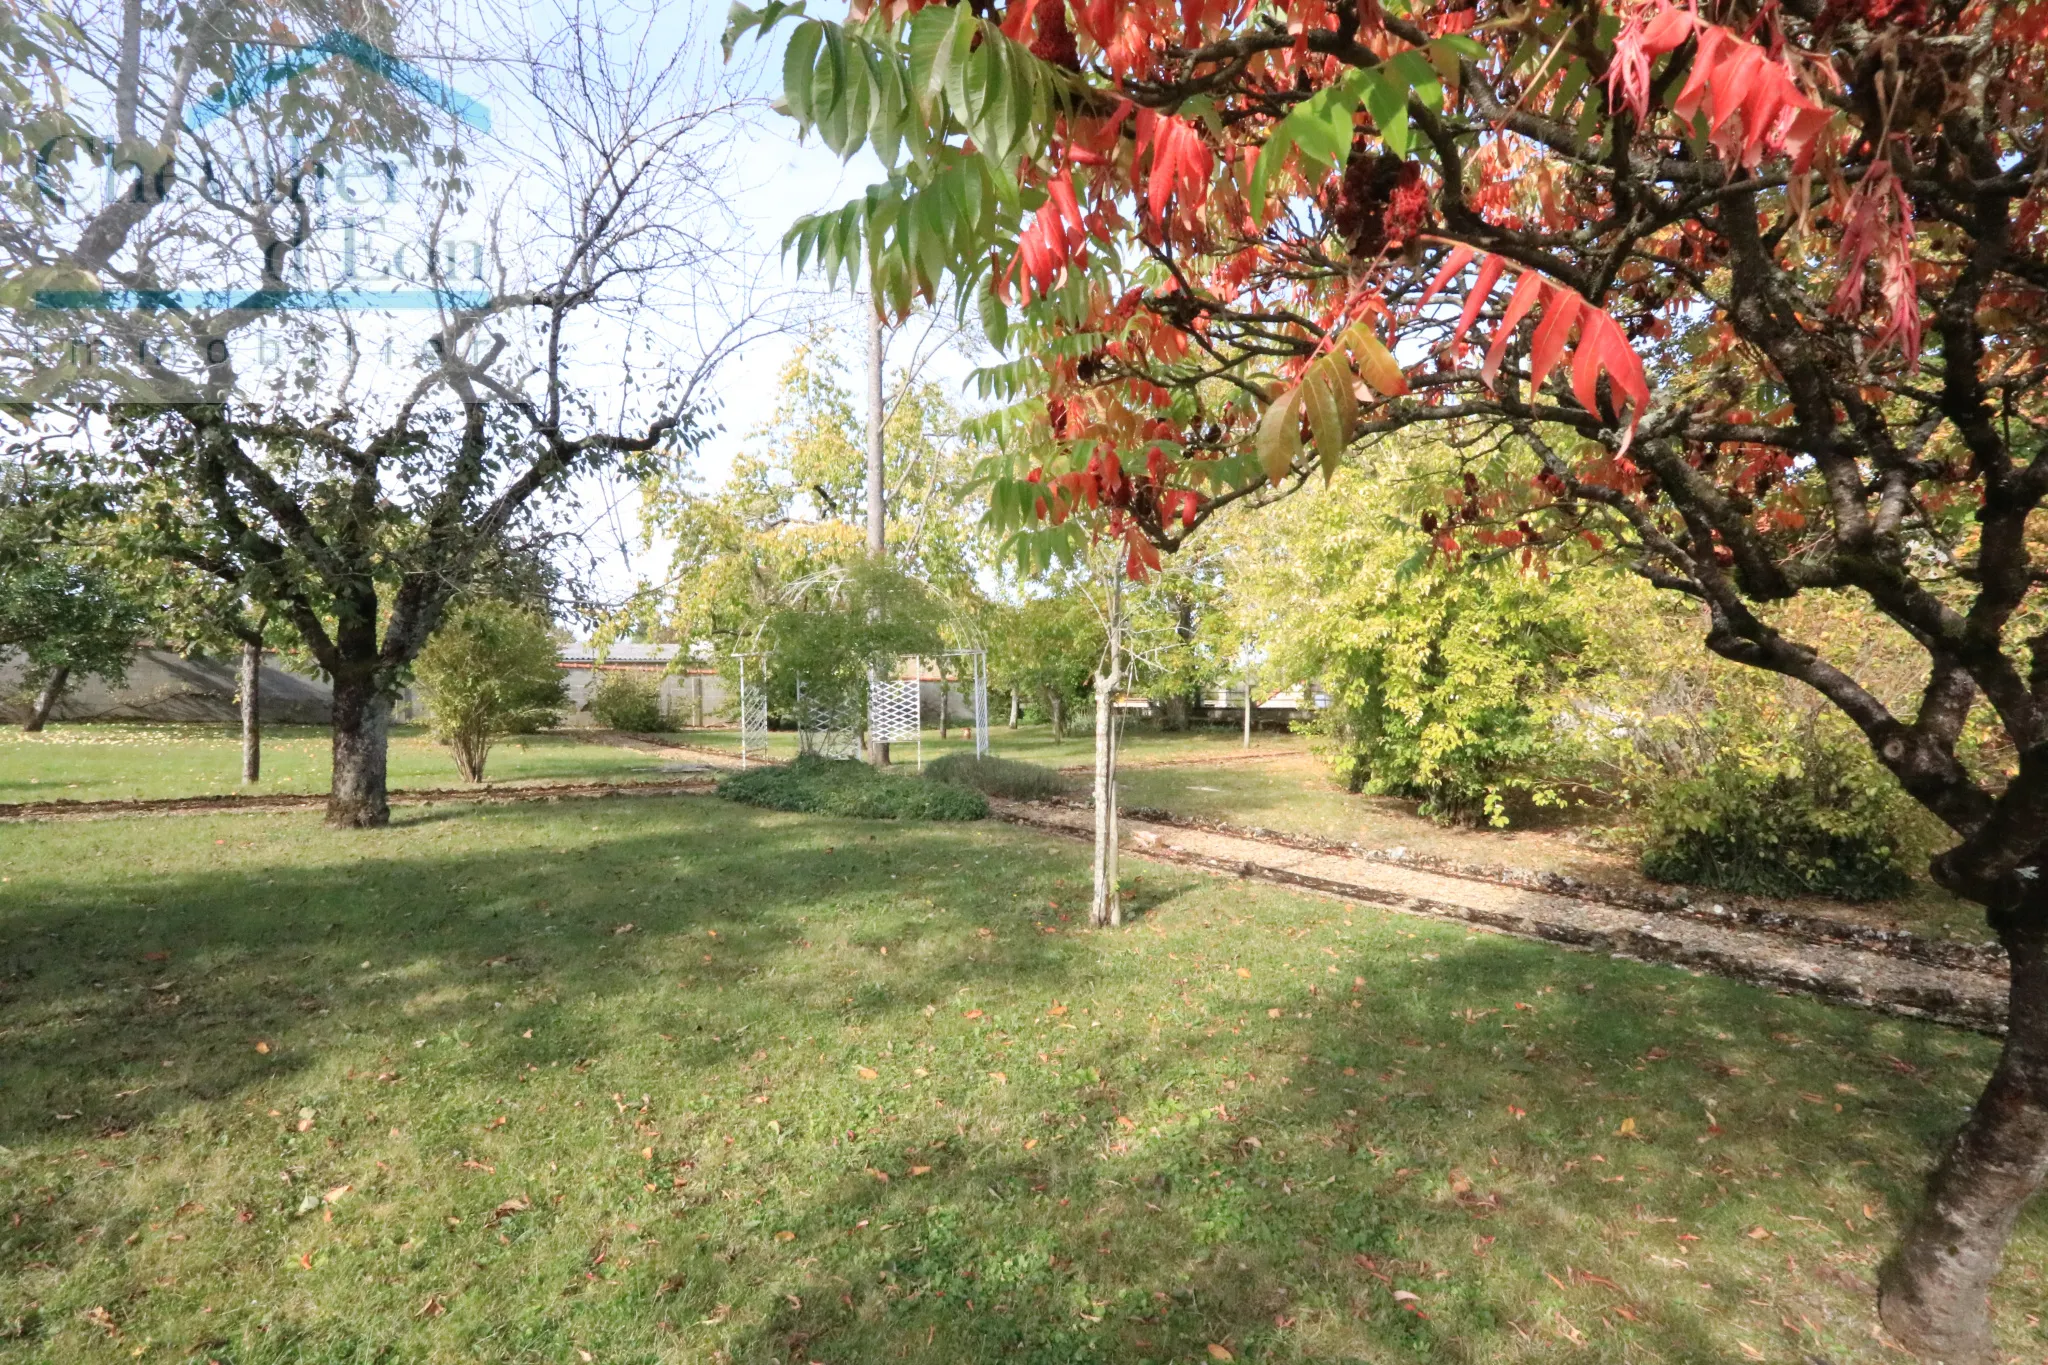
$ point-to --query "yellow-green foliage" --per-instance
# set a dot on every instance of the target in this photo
(490, 670)
(1444, 678)
(629, 701)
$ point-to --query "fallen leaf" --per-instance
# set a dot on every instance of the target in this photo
(669, 1286)
(1057, 1010)
(1246, 973)
(262, 1046)
(784, 1236)
(1403, 1296)
(868, 1073)
(334, 1195)
(1220, 1352)
(880, 1175)
(432, 1308)
(920, 1170)
(622, 929)
(1627, 1129)
(518, 1203)
(1272, 1014)
(971, 1014)
(999, 1078)
(1029, 1143)
(1759, 1234)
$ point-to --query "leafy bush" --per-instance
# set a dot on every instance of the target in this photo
(826, 786)
(490, 670)
(627, 701)
(1827, 822)
(1005, 777)
(1445, 677)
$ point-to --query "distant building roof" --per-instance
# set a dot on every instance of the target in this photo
(620, 654)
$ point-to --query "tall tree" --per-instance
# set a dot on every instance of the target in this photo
(336, 418)
(793, 505)
(1243, 240)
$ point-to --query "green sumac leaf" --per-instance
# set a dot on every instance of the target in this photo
(798, 61)
(1319, 130)
(1386, 99)
(995, 318)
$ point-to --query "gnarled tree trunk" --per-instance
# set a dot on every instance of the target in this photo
(46, 701)
(249, 695)
(1934, 1292)
(362, 737)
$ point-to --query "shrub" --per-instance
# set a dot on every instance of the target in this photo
(1825, 822)
(1005, 777)
(490, 670)
(826, 786)
(627, 701)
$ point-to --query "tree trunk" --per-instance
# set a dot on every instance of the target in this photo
(362, 735)
(46, 701)
(1013, 708)
(1934, 1292)
(1057, 705)
(1106, 907)
(1247, 710)
(249, 695)
(470, 752)
(945, 703)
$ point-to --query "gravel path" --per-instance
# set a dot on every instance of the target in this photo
(1841, 972)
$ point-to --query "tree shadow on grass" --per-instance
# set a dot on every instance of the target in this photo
(1116, 1146)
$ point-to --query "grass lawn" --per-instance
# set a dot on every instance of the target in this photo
(671, 1080)
(106, 762)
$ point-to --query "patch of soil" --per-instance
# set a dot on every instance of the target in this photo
(425, 796)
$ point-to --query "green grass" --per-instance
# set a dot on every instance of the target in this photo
(266, 1085)
(108, 762)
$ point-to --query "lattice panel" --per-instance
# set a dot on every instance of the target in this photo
(980, 705)
(894, 710)
(827, 729)
(753, 712)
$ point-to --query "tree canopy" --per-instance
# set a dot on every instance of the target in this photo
(1758, 284)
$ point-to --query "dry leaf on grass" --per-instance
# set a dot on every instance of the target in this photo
(518, 1203)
